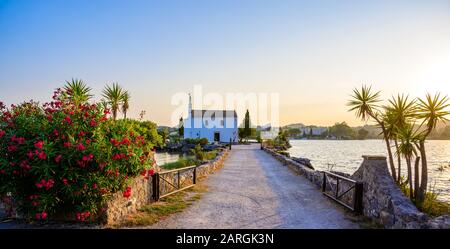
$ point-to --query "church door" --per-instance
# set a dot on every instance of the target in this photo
(217, 136)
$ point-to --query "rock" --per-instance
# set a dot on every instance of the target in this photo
(304, 161)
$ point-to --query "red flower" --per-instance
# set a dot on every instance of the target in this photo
(93, 122)
(106, 111)
(55, 133)
(151, 172)
(58, 158)
(127, 192)
(126, 141)
(35, 203)
(81, 147)
(94, 186)
(67, 144)
(39, 145)
(68, 120)
(88, 141)
(43, 215)
(81, 134)
(38, 216)
(114, 142)
(65, 181)
(2, 133)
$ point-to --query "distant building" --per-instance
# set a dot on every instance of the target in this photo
(214, 125)
(313, 130)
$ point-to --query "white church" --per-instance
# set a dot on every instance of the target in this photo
(215, 125)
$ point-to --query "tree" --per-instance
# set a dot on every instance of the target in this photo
(181, 127)
(341, 131)
(362, 133)
(399, 113)
(365, 103)
(114, 96)
(430, 110)
(407, 148)
(247, 130)
(125, 103)
(77, 91)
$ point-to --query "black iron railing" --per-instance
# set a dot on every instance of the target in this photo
(347, 192)
(170, 182)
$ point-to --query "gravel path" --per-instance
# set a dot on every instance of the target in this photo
(253, 190)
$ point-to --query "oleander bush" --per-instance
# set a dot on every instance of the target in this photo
(66, 158)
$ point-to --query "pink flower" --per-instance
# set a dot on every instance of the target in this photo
(39, 145)
(58, 158)
(12, 148)
(81, 147)
(42, 155)
(43, 215)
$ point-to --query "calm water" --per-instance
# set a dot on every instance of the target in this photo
(165, 157)
(345, 156)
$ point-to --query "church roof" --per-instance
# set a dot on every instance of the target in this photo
(213, 113)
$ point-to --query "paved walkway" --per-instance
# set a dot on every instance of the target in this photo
(253, 190)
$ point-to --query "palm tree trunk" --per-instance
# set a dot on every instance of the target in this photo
(424, 178)
(125, 115)
(416, 178)
(399, 162)
(388, 146)
(114, 112)
(408, 164)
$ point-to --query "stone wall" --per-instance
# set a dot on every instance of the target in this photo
(383, 201)
(119, 207)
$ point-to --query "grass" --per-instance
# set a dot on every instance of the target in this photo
(154, 212)
(431, 205)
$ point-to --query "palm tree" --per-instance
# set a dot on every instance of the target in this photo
(407, 148)
(77, 91)
(365, 103)
(114, 96)
(398, 113)
(430, 110)
(125, 103)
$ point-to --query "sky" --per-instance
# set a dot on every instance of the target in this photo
(312, 53)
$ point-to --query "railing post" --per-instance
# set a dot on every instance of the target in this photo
(230, 143)
(178, 172)
(324, 182)
(358, 198)
(337, 187)
(155, 186)
(194, 178)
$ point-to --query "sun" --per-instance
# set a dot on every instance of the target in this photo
(435, 78)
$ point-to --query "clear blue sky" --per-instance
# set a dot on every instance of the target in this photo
(311, 52)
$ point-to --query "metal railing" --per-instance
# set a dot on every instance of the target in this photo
(341, 194)
(170, 182)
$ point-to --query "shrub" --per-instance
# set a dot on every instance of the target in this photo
(181, 163)
(201, 141)
(62, 158)
(198, 152)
